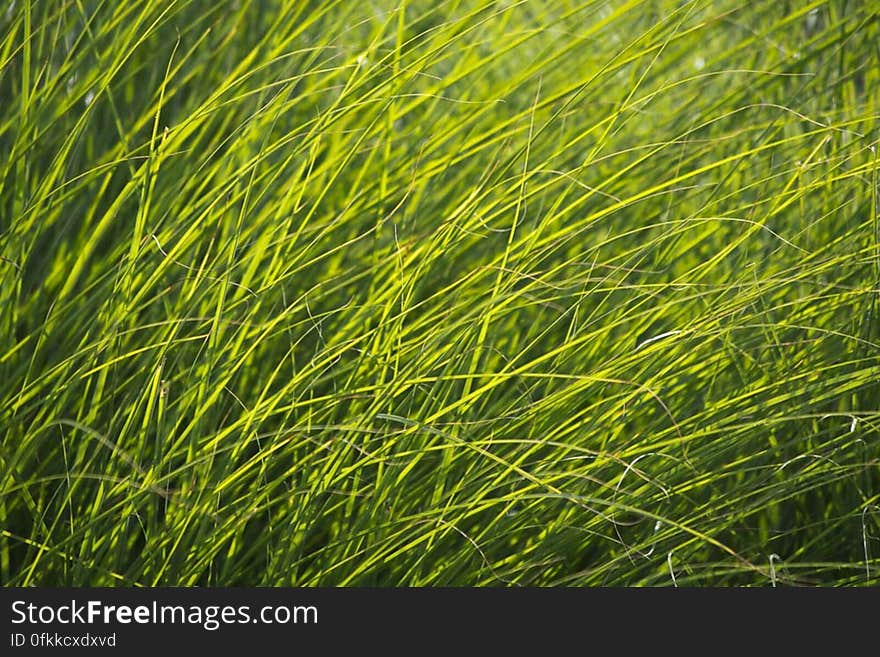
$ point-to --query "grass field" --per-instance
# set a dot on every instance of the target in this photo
(440, 292)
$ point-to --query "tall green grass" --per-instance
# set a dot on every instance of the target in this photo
(426, 293)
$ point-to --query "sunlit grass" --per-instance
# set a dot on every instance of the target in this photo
(431, 293)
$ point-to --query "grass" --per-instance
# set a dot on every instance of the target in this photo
(439, 293)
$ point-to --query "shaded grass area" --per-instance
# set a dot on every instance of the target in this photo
(432, 293)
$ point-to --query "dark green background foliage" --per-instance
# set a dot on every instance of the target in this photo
(473, 293)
